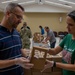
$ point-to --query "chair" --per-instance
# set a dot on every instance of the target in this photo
(65, 33)
(55, 33)
(60, 35)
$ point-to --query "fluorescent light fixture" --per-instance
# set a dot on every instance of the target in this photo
(9, 1)
(40, 2)
(67, 2)
(57, 4)
(28, 2)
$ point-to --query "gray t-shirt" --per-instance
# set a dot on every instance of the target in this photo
(52, 36)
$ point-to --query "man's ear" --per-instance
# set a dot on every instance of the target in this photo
(7, 13)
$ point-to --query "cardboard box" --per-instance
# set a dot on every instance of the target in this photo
(57, 59)
(37, 72)
(53, 73)
(37, 37)
(38, 57)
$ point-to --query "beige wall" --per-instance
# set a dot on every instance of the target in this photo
(44, 19)
(1, 16)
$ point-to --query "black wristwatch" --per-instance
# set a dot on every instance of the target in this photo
(54, 65)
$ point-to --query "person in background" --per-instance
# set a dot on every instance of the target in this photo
(67, 46)
(50, 37)
(25, 25)
(26, 34)
(42, 30)
(12, 61)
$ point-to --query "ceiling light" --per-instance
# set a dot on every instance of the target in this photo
(27, 2)
(9, 1)
(57, 4)
(40, 2)
(66, 2)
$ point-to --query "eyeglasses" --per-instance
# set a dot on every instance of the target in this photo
(18, 16)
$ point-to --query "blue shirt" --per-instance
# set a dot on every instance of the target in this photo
(10, 48)
(42, 31)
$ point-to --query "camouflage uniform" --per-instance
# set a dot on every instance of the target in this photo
(25, 34)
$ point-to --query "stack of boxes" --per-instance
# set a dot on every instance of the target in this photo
(37, 37)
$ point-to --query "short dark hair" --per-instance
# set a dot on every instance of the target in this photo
(46, 27)
(72, 14)
(40, 26)
(25, 23)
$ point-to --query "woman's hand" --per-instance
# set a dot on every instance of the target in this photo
(48, 65)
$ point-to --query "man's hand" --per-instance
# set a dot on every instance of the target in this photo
(23, 62)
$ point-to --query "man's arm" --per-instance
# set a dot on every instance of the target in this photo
(7, 63)
(47, 38)
(21, 61)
